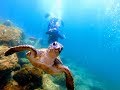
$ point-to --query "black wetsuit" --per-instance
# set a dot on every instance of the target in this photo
(54, 35)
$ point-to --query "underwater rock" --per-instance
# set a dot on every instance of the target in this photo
(32, 78)
(29, 77)
(23, 61)
(12, 85)
(10, 35)
(7, 23)
(83, 87)
(48, 84)
(7, 64)
(85, 81)
(4, 77)
(59, 80)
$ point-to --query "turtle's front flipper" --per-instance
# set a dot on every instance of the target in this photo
(20, 48)
(68, 75)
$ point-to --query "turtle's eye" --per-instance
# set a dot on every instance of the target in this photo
(54, 43)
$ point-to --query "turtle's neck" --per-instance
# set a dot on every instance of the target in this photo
(51, 54)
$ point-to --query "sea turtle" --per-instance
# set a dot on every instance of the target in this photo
(46, 59)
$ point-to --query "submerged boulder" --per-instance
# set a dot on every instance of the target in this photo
(48, 84)
(12, 85)
(7, 64)
(29, 77)
(32, 78)
(10, 35)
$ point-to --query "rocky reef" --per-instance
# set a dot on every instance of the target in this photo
(16, 73)
(10, 35)
(31, 78)
(7, 65)
(86, 81)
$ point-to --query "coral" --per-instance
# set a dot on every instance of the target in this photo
(60, 80)
(12, 85)
(7, 64)
(85, 80)
(23, 61)
(29, 77)
(48, 84)
(83, 87)
(10, 35)
(32, 78)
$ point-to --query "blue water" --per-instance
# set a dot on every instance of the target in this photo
(91, 27)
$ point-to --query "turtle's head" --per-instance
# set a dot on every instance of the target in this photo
(55, 48)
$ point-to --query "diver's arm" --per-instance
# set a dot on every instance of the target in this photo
(49, 31)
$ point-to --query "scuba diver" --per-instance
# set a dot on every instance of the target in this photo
(54, 34)
(53, 29)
